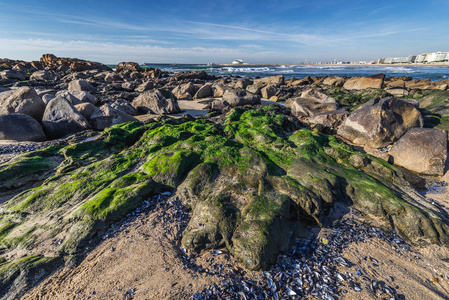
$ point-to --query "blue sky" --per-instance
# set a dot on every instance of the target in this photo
(190, 31)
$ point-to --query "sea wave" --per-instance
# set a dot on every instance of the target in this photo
(244, 69)
(301, 71)
(399, 70)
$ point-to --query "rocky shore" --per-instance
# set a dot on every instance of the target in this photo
(259, 188)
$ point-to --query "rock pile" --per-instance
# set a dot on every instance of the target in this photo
(256, 176)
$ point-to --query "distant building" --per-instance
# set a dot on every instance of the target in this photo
(398, 60)
(421, 58)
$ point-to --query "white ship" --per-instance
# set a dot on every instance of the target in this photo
(237, 62)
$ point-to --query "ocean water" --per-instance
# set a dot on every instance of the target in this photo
(434, 73)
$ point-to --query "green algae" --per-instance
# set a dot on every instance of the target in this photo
(30, 269)
(247, 180)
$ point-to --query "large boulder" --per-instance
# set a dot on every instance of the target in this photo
(219, 89)
(422, 84)
(360, 83)
(204, 92)
(256, 87)
(113, 77)
(235, 97)
(380, 122)
(243, 83)
(128, 66)
(124, 106)
(10, 74)
(81, 85)
(269, 91)
(106, 116)
(77, 97)
(310, 103)
(157, 102)
(86, 109)
(185, 91)
(74, 64)
(436, 102)
(44, 75)
(334, 81)
(279, 79)
(330, 119)
(24, 100)
(146, 86)
(61, 118)
(20, 127)
(202, 75)
(422, 150)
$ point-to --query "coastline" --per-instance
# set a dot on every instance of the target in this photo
(329, 64)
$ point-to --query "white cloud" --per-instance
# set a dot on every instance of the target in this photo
(32, 49)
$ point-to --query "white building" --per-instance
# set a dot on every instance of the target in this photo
(432, 57)
(400, 60)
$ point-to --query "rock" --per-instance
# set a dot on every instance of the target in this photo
(47, 97)
(380, 122)
(256, 87)
(44, 75)
(77, 97)
(86, 109)
(24, 100)
(394, 84)
(235, 97)
(360, 83)
(243, 83)
(135, 75)
(422, 150)
(269, 91)
(157, 102)
(251, 180)
(193, 75)
(146, 86)
(81, 85)
(422, 84)
(154, 73)
(61, 118)
(113, 77)
(124, 106)
(185, 91)
(74, 64)
(10, 74)
(274, 80)
(3, 89)
(330, 119)
(307, 107)
(306, 81)
(128, 66)
(398, 92)
(436, 101)
(106, 116)
(219, 89)
(310, 103)
(20, 127)
(334, 81)
(204, 92)
(128, 86)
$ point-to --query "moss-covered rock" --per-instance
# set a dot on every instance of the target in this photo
(254, 180)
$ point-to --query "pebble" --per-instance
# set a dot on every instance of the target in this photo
(308, 270)
(19, 148)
